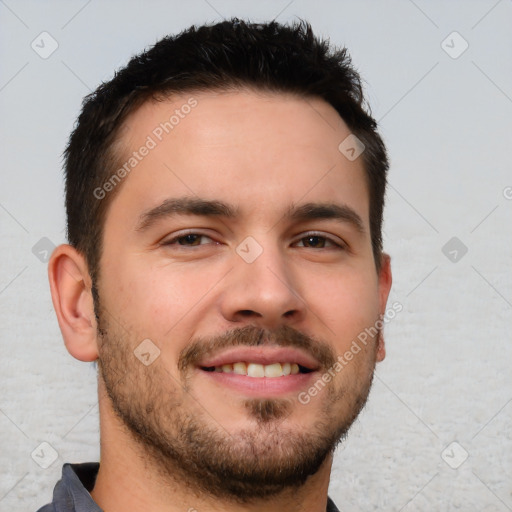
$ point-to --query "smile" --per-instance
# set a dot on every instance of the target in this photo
(259, 370)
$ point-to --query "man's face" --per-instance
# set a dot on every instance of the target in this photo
(260, 253)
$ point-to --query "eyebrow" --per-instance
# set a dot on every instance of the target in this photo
(185, 206)
(212, 208)
(315, 211)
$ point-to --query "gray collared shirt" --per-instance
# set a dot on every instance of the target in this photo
(71, 494)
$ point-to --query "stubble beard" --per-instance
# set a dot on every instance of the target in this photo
(183, 443)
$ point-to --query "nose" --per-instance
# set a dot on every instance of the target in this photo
(262, 292)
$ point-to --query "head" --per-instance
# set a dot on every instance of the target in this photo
(211, 212)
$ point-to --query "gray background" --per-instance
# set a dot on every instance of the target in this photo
(445, 115)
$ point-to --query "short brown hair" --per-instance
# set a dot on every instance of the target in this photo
(226, 55)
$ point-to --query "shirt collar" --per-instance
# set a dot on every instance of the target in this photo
(72, 492)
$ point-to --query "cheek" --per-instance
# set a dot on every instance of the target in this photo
(160, 301)
(348, 303)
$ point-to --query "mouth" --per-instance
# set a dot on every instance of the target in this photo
(257, 370)
(260, 371)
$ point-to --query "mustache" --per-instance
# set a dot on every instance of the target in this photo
(254, 336)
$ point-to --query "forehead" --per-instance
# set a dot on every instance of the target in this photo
(260, 150)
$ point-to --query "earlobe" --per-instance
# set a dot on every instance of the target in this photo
(70, 286)
(385, 280)
(381, 348)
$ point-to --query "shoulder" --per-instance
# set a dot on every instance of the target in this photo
(47, 508)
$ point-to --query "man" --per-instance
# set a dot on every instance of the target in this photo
(224, 196)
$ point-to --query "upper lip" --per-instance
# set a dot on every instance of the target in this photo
(261, 355)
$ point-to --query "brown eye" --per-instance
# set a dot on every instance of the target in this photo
(189, 240)
(316, 241)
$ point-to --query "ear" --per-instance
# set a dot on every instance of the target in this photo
(385, 280)
(70, 286)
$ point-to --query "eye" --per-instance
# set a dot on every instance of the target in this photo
(189, 240)
(317, 241)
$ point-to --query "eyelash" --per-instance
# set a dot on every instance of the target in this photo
(337, 245)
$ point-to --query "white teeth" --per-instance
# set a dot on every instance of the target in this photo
(273, 370)
(259, 370)
(240, 368)
(255, 370)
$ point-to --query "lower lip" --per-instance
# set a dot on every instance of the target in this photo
(261, 386)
